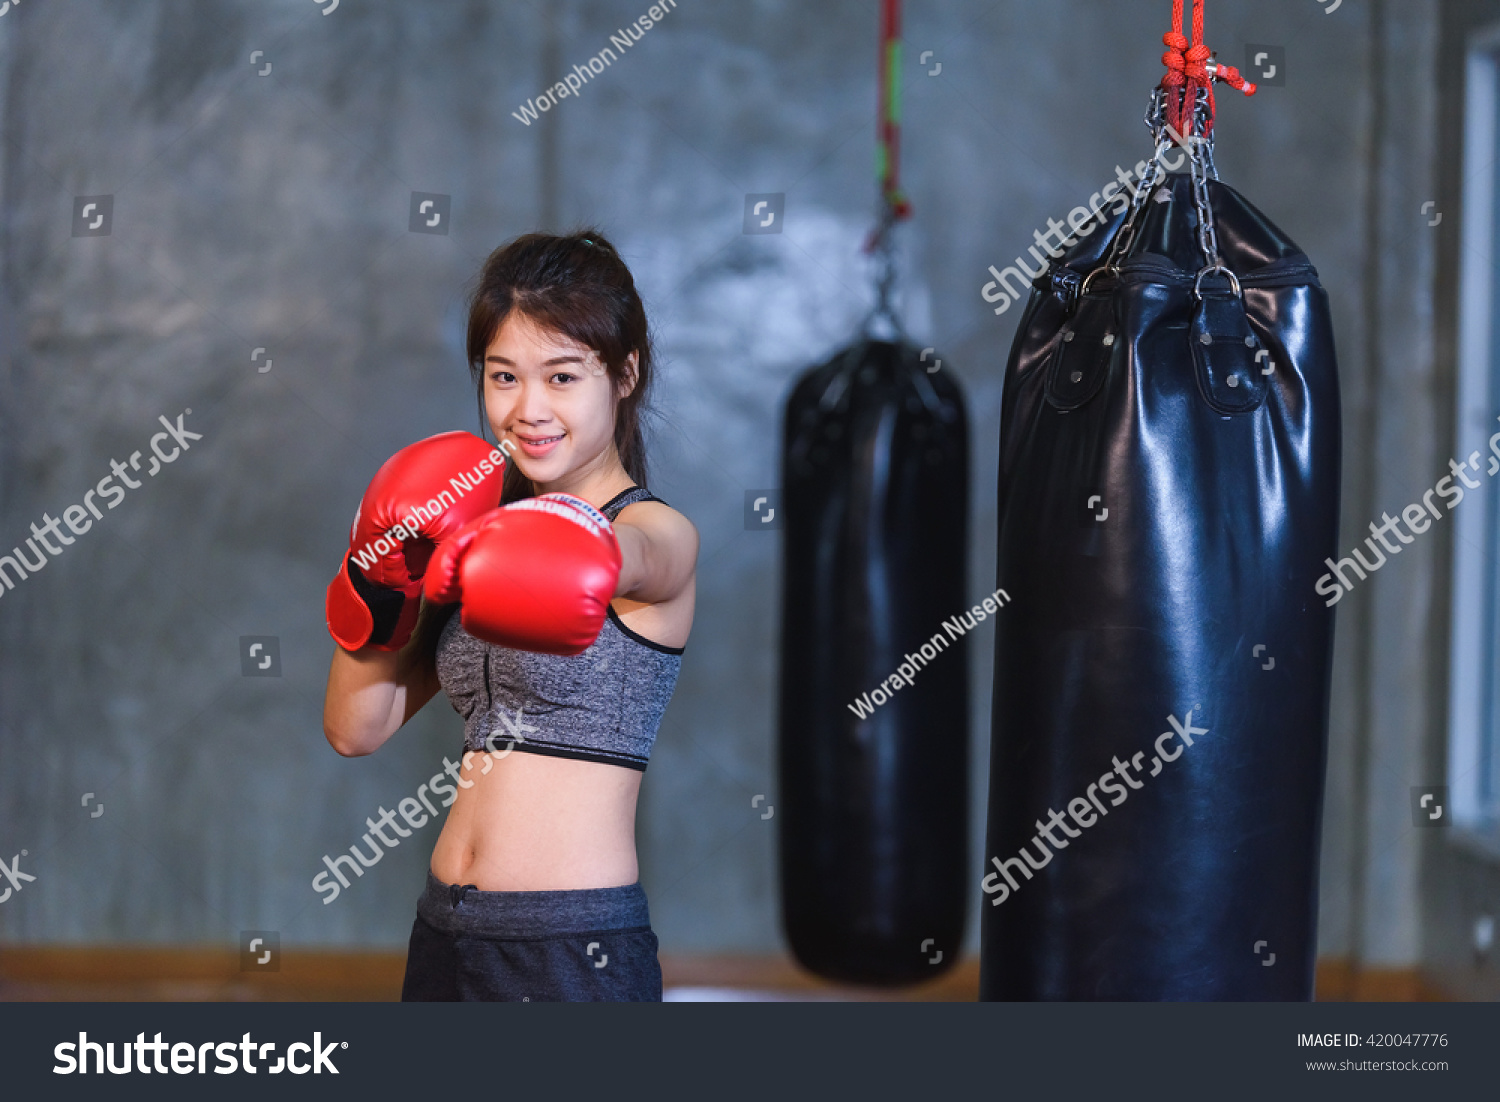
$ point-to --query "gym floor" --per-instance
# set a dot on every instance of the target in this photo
(175, 974)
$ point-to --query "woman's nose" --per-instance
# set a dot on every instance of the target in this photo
(532, 406)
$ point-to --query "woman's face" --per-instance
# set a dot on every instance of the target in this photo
(552, 397)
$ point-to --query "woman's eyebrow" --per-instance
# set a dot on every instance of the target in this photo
(553, 362)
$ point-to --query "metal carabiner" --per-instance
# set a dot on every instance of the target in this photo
(1219, 267)
(1090, 277)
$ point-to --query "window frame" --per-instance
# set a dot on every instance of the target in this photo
(1474, 652)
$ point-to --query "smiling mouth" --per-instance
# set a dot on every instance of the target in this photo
(539, 441)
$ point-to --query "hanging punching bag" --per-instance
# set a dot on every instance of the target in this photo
(873, 755)
(1168, 492)
(873, 780)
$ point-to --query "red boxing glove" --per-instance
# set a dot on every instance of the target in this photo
(421, 496)
(534, 575)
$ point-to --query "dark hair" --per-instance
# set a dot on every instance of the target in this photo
(578, 286)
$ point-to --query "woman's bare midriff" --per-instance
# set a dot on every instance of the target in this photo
(540, 823)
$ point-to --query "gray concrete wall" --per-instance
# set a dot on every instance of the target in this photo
(1395, 412)
(273, 212)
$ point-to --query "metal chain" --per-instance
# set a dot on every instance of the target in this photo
(1155, 120)
(1199, 150)
(1206, 147)
(1153, 175)
(1208, 239)
(884, 252)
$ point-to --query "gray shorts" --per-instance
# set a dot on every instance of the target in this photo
(582, 945)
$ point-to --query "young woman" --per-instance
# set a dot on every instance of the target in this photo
(533, 891)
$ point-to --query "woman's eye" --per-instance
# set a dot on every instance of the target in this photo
(502, 377)
(564, 376)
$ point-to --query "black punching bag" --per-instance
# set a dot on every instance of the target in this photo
(873, 782)
(1169, 490)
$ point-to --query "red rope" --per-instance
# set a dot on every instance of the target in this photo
(888, 122)
(1187, 71)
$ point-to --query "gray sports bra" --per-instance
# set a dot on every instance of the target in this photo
(602, 705)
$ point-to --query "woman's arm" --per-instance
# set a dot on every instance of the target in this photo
(371, 693)
(658, 552)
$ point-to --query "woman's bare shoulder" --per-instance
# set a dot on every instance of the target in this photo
(663, 524)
